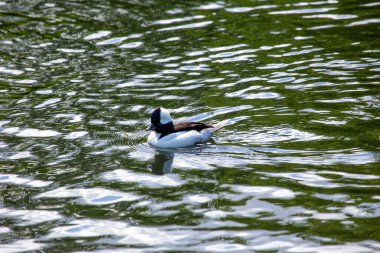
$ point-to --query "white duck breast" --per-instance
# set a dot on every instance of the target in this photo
(179, 139)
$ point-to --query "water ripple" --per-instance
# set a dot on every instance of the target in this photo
(29, 217)
(187, 26)
(21, 246)
(93, 196)
(17, 180)
(295, 169)
(145, 180)
(97, 35)
(177, 20)
(302, 11)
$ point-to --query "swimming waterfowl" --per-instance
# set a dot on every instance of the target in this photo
(166, 134)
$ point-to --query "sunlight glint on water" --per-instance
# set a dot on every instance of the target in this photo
(296, 169)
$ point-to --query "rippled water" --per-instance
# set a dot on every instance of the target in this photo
(297, 169)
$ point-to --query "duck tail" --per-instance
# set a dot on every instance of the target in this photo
(220, 124)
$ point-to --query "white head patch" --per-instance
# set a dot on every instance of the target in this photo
(165, 116)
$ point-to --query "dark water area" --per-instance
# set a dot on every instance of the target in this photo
(297, 169)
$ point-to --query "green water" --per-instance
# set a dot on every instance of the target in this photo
(297, 169)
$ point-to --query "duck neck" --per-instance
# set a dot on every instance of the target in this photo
(165, 129)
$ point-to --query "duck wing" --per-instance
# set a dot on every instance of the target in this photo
(188, 126)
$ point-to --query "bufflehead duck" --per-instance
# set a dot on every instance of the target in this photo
(166, 134)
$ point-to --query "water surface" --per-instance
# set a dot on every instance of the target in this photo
(297, 169)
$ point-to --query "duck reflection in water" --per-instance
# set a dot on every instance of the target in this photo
(162, 162)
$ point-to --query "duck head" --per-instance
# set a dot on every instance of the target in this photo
(161, 121)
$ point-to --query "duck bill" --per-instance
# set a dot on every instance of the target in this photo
(151, 128)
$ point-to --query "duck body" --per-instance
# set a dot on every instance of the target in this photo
(179, 139)
(166, 134)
